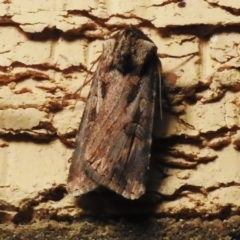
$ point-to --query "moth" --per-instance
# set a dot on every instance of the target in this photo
(113, 143)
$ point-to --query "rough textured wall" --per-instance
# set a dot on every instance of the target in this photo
(47, 49)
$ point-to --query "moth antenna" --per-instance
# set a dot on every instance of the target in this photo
(80, 88)
(85, 82)
(160, 91)
(181, 64)
(165, 74)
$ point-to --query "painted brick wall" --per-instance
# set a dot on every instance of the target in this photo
(47, 49)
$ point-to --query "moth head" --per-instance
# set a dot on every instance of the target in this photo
(131, 51)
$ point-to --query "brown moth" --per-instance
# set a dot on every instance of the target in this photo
(113, 143)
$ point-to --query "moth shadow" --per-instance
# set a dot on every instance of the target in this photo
(105, 202)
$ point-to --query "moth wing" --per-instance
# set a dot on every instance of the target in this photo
(78, 180)
(121, 159)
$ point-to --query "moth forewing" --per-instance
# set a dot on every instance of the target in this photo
(113, 145)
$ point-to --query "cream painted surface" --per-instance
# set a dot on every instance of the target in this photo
(39, 67)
